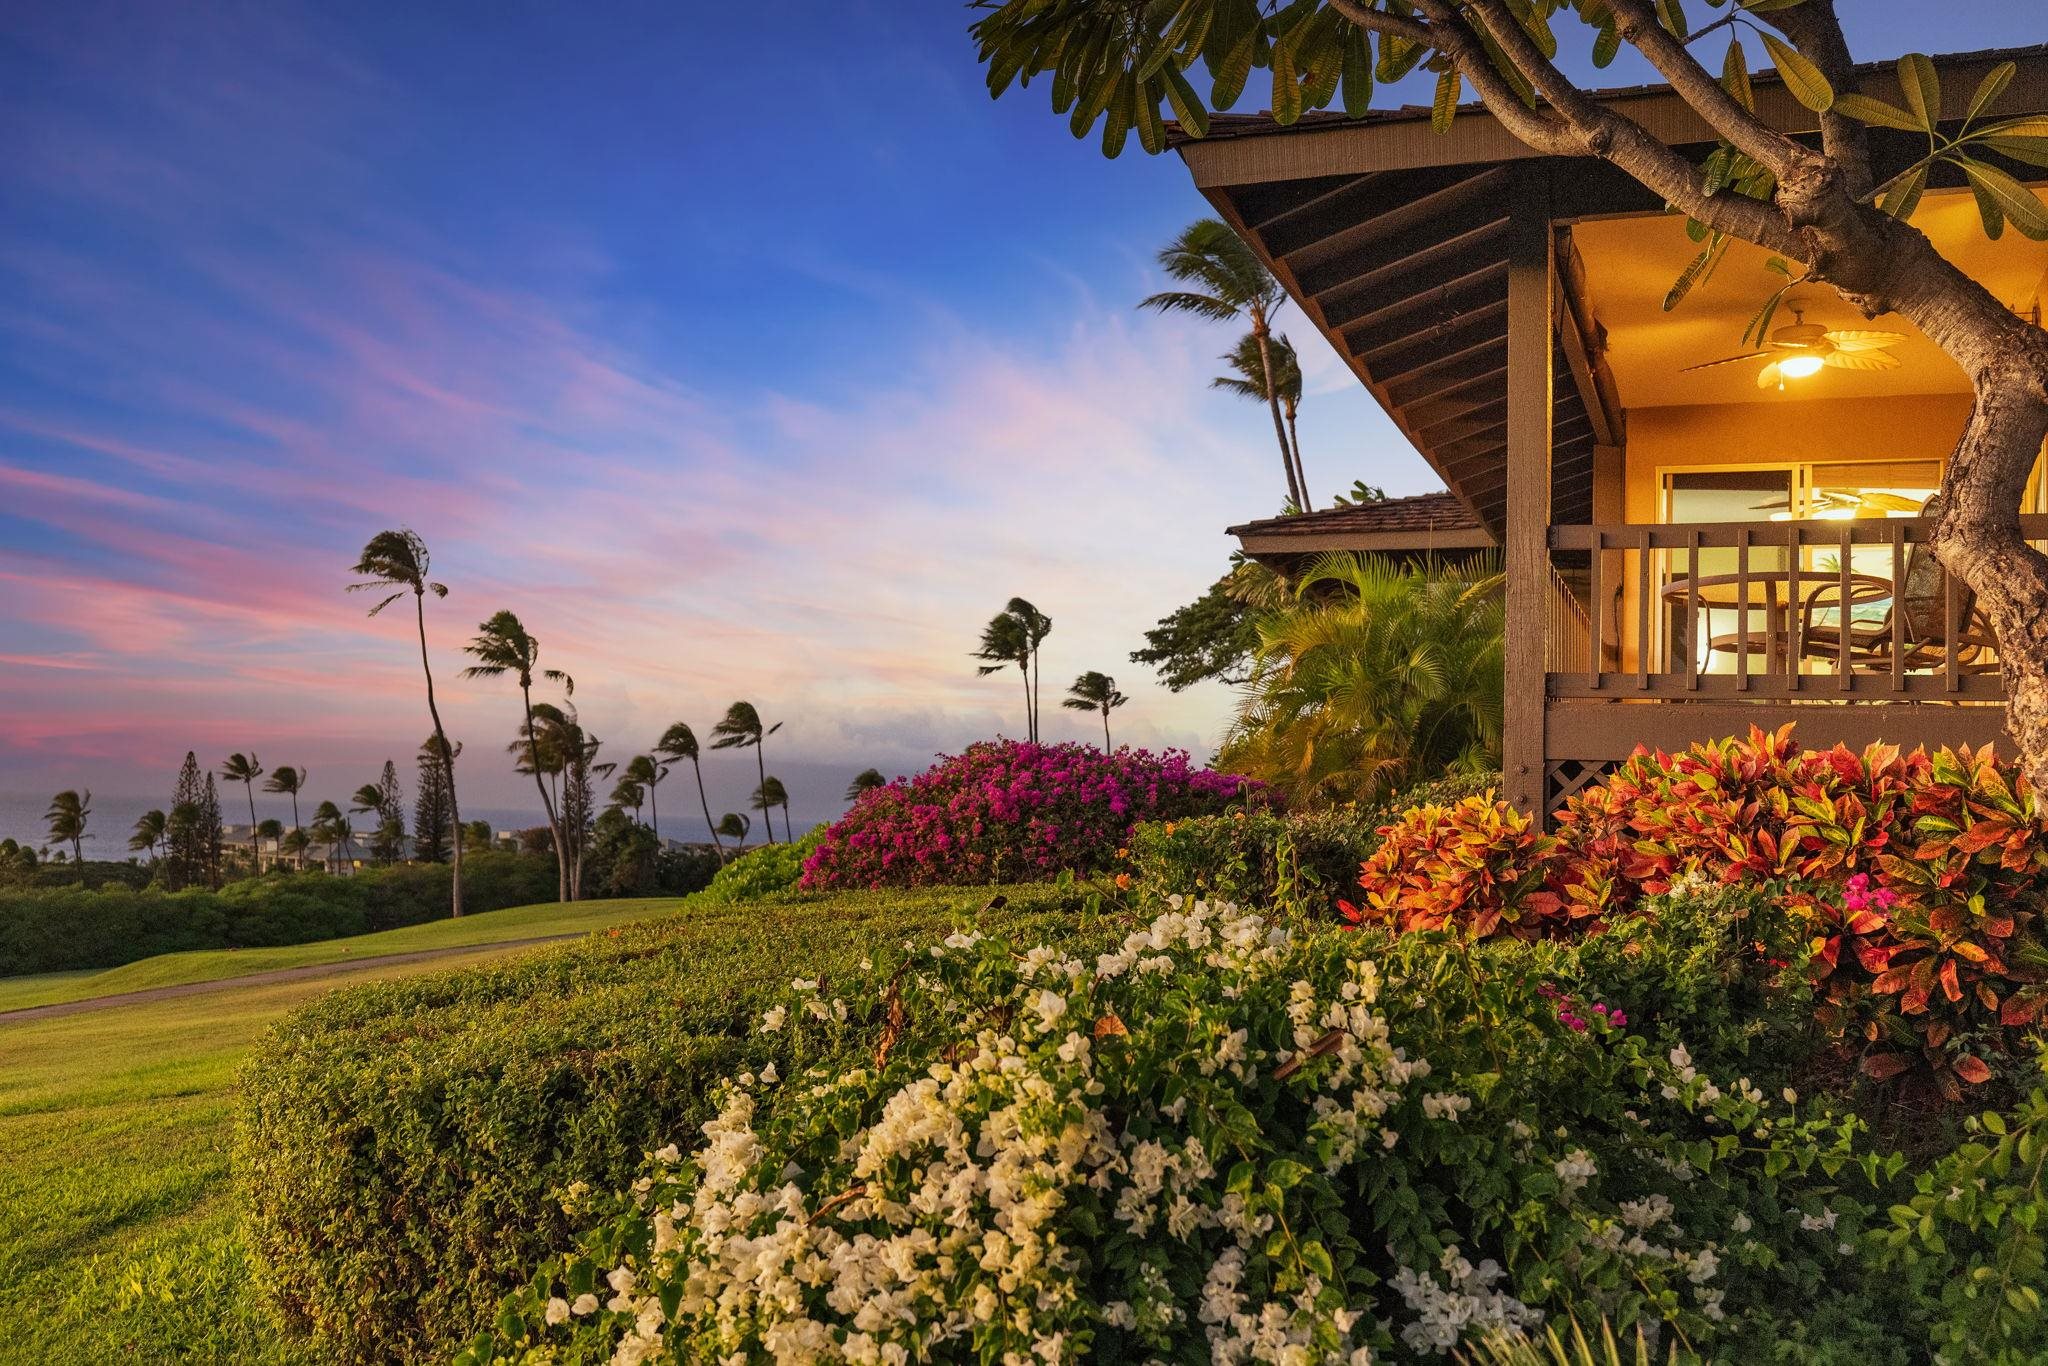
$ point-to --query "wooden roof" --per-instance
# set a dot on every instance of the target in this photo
(1425, 521)
(1394, 240)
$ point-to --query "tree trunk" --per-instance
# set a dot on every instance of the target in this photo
(654, 810)
(761, 771)
(1294, 446)
(562, 888)
(1034, 693)
(1030, 719)
(705, 802)
(249, 787)
(447, 762)
(1105, 732)
(1294, 490)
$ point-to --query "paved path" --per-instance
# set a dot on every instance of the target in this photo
(253, 979)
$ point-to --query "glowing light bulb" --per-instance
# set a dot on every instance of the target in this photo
(1799, 367)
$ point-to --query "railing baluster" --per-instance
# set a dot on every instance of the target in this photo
(1643, 608)
(1742, 612)
(1595, 612)
(1843, 626)
(1692, 620)
(1795, 631)
(1950, 610)
(1898, 606)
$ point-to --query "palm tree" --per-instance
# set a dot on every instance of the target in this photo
(285, 778)
(396, 562)
(1249, 381)
(1094, 691)
(245, 769)
(330, 826)
(1037, 626)
(272, 829)
(865, 781)
(769, 795)
(504, 646)
(149, 834)
(1006, 641)
(740, 728)
(1374, 678)
(370, 800)
(734, 826)
(68, 814)
(1227, 281)
(678, 743)
(625, 793)
(648, 772)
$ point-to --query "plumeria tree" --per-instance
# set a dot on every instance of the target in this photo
(1834, 209)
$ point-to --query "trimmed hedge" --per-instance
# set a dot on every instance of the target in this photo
(404, 1149)
(62, 929)
(1257, 856)
(763, 871)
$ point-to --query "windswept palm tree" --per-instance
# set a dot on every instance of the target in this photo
(395, 562)
(648, 771)
(627, 793)
(285, 778)
(678, 743)
(1226, 281)
(149, 834)
(1005, 641)
(68, 814)
(1094, 691)
(769, 795)
(1037, 626)
(740, 728)
(333, 829)
(734, 826)
(245, 769)
(1250, 380)
(503, 645)
(865, 781)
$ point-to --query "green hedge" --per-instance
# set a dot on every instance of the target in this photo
(403, 1149)
(61, 929)
(1306, 858)
(763, 871)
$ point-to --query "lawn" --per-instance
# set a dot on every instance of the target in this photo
(211, 965)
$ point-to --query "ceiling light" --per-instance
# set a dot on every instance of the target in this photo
(1799, 367)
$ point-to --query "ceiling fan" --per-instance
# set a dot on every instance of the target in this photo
(1801, 348)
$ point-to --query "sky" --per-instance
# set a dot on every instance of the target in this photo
(743, 351)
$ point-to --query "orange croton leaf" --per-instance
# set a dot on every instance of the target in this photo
(1885, 1066)
(1950, 987)
(1972, 1069)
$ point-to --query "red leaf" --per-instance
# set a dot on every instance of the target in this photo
(1972, 1070)
(1885, 1066)
(1950, 987)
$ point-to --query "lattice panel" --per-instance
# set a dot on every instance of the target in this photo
(1563, 777)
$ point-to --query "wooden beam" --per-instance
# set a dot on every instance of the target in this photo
(1584, 349)
(1531, 289)
(1612, 730)
(1380, 542)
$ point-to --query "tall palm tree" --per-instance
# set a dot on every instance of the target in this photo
(1005, 641)
(625, 793)
(69, 811)
(272, 828)
(1226, 281)
(333, 828)
(285, 778)
(678, 743)
(245, 769)
(769, 795)
(1037, 626)
(865, 781)
(395, 562)
(149, 834)
(648, 771)
(1094, 691)
(740, 728)
(734, 826)
(1250, 380)
(1375, 677)
(503, 645)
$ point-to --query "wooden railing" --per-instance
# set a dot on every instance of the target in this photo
(1566, 627)
(1854, 609)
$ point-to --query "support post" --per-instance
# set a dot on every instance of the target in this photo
(1531, 289)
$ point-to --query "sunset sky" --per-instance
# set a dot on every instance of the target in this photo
(745, 352)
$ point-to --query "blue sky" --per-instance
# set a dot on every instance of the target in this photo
(746, 352)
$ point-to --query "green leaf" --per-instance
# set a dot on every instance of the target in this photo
(1607, 43)
(1864, 109)
(1285, 1172)
(1122, 111)
(1151, 128)
(1800, 75)
(1449, 86)
(1536, 23)
(1735, 75)
(2028, 126)
(1696, 271)
(1904, 195)
(1186, 104)
(1357, 73)
(2015, 200)
(1234, 71)
(1921, 86)
(1286, 89)
(1671, 14)
(2031, 151)
(1990, 88)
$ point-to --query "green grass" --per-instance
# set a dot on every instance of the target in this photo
(212, 965)
(118, 1239)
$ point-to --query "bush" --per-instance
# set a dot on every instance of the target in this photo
(62, 929)
(1005, 811)
(1260, 856)
(1222, 1141)
(763, 871)
(1918, 881)
(403, 1151)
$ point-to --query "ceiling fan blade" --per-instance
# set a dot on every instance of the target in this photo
(1855, 340)
(1861, 360)
(1725, 360)
(1768, 377)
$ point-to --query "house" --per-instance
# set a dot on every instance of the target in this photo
(1683, 546)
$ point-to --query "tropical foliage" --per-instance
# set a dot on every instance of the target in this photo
(1096, 692)
(1375, 676)
(1005, 811)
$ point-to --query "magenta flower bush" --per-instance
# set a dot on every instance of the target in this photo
(1010, 812)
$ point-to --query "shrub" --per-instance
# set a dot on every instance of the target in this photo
(763, 871)
(1918, 880)
(1257, 855)
(1223, 1141)
(403, 1150)
(60, 929)
(1005, 811)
